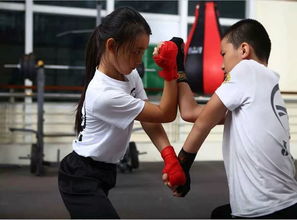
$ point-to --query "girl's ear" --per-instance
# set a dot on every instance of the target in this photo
(245, 50)
(110, 45)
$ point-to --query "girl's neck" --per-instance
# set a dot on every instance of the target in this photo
(111, 72)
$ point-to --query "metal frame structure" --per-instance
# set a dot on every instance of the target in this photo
(37, 149)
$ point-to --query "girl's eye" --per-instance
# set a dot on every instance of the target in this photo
(137, 52)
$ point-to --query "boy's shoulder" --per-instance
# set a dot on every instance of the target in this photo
(250, 66)
(243, 66)
(253, 68)
(250, 63)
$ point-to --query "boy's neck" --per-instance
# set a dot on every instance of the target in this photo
(255, 58)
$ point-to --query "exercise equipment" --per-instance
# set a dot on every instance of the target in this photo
(202, 51)
(30, 69)
(28, 66)
(130, 160)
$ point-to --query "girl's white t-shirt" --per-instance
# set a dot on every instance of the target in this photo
(108, 114)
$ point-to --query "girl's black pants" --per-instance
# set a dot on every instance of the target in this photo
(84, 184)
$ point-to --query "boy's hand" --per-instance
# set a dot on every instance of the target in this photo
(179, 42)
(173, 174)
(186, 160)
(165, 57)
(182, 191)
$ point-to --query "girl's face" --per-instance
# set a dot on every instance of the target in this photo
(128, 58)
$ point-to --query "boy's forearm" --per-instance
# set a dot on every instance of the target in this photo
(188, 107)
(196, 138)
(211, 115)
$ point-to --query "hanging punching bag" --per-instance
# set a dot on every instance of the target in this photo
(202, 51)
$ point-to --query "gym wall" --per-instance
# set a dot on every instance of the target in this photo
(279, 18)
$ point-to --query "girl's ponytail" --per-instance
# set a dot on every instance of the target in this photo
(92, 61)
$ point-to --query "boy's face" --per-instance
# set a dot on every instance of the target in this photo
(231, 56)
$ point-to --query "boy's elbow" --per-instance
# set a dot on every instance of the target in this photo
(187, 116)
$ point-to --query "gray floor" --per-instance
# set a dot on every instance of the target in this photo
(139, 194)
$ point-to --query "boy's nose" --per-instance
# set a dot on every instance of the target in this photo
(223, 67)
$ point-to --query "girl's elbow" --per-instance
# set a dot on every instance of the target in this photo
(169, 118)
(172, 118)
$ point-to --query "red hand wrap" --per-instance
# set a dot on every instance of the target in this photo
(176, 175)
(166, 59)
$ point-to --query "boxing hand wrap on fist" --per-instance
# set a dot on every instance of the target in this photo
(166, 59)
(179, 42)
(186, 160)
(172, 167)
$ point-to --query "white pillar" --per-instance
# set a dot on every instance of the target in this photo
(28, 26)
(183, 21)
(109, 6)
(28, 49)
(250, 9)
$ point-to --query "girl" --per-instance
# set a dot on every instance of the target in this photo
(112, 99)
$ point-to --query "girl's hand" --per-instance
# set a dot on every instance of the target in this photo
(164, 56)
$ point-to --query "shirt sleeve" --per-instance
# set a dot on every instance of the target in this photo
(237, 87)
(118, 109)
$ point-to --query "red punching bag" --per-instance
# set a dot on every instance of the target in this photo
(202, 51)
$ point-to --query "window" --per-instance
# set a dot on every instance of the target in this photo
(79, 4)
(63, 44)
(226, 9)
(164, 7)
(60, 39)
(12, 31)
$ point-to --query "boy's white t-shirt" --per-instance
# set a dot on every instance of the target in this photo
(108, 113)
(256, 143)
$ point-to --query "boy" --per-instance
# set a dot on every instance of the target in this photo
(256, 148)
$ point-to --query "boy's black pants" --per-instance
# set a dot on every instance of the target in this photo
(224, 212)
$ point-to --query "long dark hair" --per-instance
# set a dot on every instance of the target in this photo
(123, 25)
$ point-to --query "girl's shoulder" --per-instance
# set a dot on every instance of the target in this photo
(133, 75)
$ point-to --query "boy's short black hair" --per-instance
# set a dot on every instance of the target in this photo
(253, 33)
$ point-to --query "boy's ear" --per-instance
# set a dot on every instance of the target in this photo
(245, 50)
